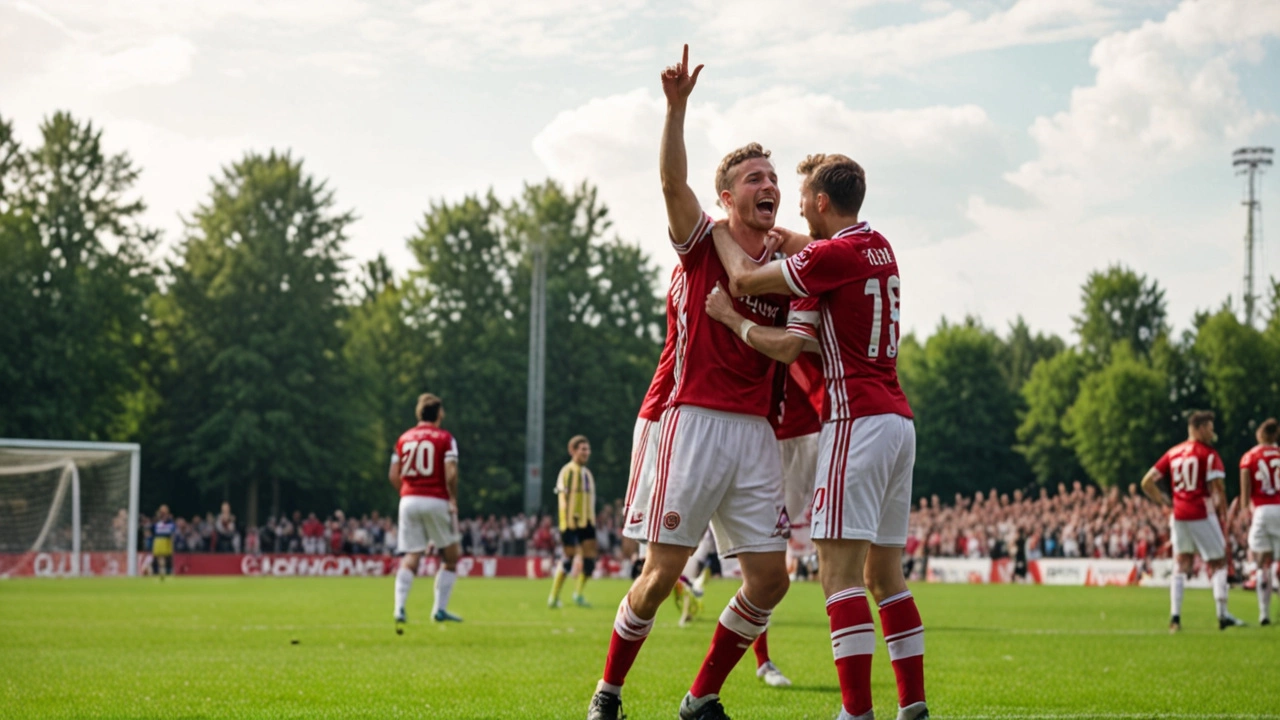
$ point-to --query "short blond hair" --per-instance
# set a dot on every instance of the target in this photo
(576, 441)
(750, 151)
(811, 162)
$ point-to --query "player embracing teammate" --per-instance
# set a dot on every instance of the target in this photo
(717, 460)
(848, 286)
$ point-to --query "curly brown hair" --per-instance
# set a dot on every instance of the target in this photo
(750, 151)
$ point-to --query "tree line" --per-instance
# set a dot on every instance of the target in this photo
(255, 363)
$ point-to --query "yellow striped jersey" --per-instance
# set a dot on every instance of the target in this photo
(577, 490)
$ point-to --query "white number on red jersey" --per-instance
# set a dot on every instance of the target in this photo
(418, 459)
(1268, 477)
(878, 323)
(1186, 473)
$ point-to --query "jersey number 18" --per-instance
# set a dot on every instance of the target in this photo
(877, 316)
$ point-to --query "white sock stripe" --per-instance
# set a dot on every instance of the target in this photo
(865, 627)
(628, 625)
(732, 618)
(897, 636)
(891, 600)
(862, 643)
(907, 647)
(852, 592)
(746, 605)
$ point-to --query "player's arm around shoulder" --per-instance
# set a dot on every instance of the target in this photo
(773, 342)
(746, 277)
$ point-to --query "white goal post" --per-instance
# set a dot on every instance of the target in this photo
(69, 497)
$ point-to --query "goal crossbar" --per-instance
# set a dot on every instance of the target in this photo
(83, 450)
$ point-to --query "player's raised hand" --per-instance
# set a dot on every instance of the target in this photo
(677, 83)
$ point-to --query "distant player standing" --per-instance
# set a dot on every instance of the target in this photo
(1196, 471)
(162, 532)
(718, 461)
(424, 469)
(862, 501)
(1260, 487)
(576, 489)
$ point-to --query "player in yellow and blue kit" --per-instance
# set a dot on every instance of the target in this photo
(576, 489)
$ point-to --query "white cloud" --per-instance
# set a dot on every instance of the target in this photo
(462, 32)
(822, 40)
(1165, 97)
(613, 142)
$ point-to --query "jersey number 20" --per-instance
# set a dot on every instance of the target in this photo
(873, 289)
(418, 459)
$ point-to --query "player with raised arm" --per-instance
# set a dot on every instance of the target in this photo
(718, 461)
(1197, 474)
(1260, 488)
(848, 285)
(424, 469)
(576, 490)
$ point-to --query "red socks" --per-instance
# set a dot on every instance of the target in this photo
(904, 633)
(740, 624)
(629, 632)
(853, 639)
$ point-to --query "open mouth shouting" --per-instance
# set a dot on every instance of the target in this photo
(766, 208)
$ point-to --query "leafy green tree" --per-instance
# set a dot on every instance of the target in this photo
(1120, 305)
(965, 413)
(1019, 352)
(256, 396)
(1043, 437)
(1241, 377)
(604, 325)
(382, 355)
(1119, 423)
(74, 282)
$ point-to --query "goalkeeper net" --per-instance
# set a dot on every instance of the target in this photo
(64, 503)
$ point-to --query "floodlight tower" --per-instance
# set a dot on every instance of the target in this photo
(537, 373)
(1250, 161)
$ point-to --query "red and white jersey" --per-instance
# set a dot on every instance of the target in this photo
(714, 368)
(848, 290)
(422, 452)
(664, 378)
(1263, 464)
(800, 412)
(1191, 466)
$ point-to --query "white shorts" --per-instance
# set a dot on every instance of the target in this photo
(423, 521)
(863, 488)
(718, 468)
(1202, 536)
(799, 468)
(644, 463)
(1264, 532)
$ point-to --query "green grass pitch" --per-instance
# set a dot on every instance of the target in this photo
(224, 648)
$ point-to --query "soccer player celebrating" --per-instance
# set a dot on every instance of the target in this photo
(848, 290)
(1260, 487)
(1197, 474)
(718, 461)
(577, 491)
(424, 469)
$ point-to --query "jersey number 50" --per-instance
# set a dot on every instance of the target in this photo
(1186, 474)
(418, 459)
(873, 289)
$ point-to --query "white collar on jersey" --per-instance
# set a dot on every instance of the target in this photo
(862, 227)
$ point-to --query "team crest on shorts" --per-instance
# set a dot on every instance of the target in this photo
(671, 520)
(783, 528)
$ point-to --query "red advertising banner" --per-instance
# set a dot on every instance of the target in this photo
(115, 564)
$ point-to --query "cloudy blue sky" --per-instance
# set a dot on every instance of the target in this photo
(1011, 145)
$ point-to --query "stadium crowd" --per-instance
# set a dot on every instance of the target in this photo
(1080, 521)
(369, 534)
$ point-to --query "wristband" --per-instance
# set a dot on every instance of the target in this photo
(745, 328)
